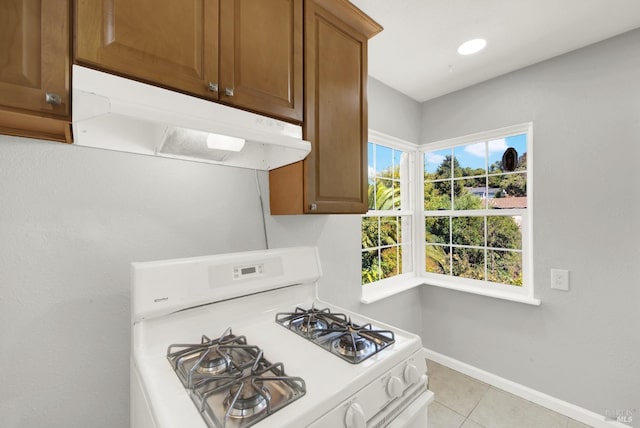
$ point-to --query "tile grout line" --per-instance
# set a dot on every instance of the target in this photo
(474, 407)
(449, 408)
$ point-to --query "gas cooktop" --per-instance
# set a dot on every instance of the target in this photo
(336, 333)
(231, 382)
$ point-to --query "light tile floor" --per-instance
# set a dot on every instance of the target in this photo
(464, 402)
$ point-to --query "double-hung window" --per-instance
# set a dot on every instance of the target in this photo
(476, 213)
(454, 213)
(387, 228)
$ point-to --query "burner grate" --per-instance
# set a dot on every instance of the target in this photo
(336, 333)
(231, 383)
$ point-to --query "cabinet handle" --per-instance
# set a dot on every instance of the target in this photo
(228, 92)
(313, 207)
(53, 99)
(213, 87)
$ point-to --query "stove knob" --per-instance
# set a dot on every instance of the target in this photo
(394, 387)
(355, 417)
(411, 374)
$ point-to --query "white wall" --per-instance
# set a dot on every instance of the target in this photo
(71, 221)
(581, 346)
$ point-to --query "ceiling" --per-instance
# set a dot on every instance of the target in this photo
(417, 51)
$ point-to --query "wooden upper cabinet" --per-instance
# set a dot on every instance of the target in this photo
(172, 44)
(333, 177)
(261, 56)
(34, 68)
(247, 53)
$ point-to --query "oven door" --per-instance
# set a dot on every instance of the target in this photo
(416, 414)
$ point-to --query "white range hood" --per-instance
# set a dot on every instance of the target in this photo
(115, 113)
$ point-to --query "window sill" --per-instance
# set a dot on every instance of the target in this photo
(392, 286)
(389, 287)
(496, 294)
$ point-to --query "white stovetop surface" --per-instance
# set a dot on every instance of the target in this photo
(329, 379)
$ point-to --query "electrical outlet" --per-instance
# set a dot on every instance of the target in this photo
(560, 279)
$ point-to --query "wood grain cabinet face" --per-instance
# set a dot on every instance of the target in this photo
(333, 177)
(246, 53)
(261, 56)
(34, 56)
(171, 43)
(34, 69)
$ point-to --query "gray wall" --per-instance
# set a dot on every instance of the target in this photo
(71, 221)
(581, 346)
(392, 112)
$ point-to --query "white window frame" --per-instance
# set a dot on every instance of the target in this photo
(379, 289)
(525, 293)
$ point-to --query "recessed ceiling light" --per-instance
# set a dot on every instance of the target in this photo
(472, 46)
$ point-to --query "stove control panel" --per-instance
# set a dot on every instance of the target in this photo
(383, 399)
(249, 271)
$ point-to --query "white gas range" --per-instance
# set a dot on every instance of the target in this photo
(238, 340)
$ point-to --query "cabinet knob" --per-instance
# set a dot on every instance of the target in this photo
(228, 92)
(53, 99)
(213, 87)
(313, 207)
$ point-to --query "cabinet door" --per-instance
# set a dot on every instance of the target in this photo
(335, 171)
(34, 59)
(261, 56)
(170, 43)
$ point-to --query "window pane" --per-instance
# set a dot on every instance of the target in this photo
(371, 173)
(397, 160)
(437, 195)
(504, 232)
(437, 259)
(511, 193)
(504, 267)
(390, 261)
(384, 161)
(384, 194)
(389, 231)
(369, 232)
(370, 266)
(437, 164)
(470, 194)
(468, 263)
(498, 147)
(372, 195)
(437, 230)
(397, 197)
(468, 231)
(470, 160)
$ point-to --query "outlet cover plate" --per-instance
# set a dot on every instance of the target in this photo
(560, 279)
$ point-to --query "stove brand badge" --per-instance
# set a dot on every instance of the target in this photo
(160, 299)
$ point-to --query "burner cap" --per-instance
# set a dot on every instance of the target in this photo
(216, 364)
(251, 401)
(353, 346)
(310, 323)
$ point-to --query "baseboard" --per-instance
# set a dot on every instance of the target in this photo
(570, 410)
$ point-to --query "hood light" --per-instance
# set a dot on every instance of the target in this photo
(472, 46)
(225, 142)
